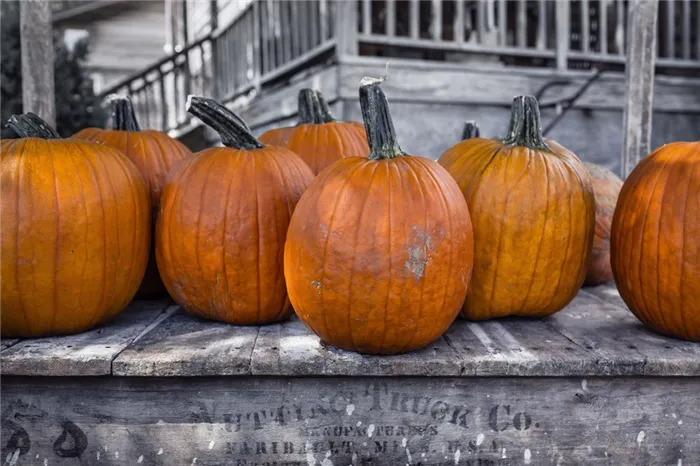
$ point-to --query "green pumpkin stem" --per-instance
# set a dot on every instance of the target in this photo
(233, 131)
(29, 125)
(123, 116)
(325, 109)
(525, 128)
(309, 108)
(379, 126)
(471, 130)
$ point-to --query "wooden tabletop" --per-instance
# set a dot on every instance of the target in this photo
(596, 335)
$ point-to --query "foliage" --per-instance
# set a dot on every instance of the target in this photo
(77, 107)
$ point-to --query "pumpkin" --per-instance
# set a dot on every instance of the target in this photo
(655, 240)
(606, 187)
(379, 250)
(75, 232)
(154, 153)
(471, 130)
(322, 142)
(533, 212)
(223, 220)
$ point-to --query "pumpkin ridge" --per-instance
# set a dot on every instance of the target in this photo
(683, 235)
(425, 228)
(104, 237)
(284, 185)
(667, 169)
(134, 194)
(354, 248)
(448, 215)
(341, 191)
(50, 154)
(20, 167)
(257, 229)
(108, 177)
(388, 292)
(223, 235)
(539, 244)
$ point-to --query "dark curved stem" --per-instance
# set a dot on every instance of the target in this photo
(233, 131)
(471, 130)
(309, 108)
(379, 126)
(325, 109)
(123, 116)
(29, 125)
(525, 128)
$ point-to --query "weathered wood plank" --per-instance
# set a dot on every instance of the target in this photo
(351, 421)
(515, 347)
(290, 349)
(187, 346)
(89, 353)
(639, 82)
(37, 59)
(607, 292)
(7, 342)
(445, 83)
(621, 343)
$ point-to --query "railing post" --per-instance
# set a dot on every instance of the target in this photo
(257, 57)
(36, 43)
(345, 26)
(639, 82)
(563, 33)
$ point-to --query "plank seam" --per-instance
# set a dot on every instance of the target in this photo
(167, 312)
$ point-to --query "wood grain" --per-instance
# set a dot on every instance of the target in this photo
(36, 36)
(639, 82)
(351, 421)
(89, 353)
(187, 346)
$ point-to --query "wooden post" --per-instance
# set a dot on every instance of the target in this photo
(639, 82)
(36, 37)
(346, 27)
(563, 33)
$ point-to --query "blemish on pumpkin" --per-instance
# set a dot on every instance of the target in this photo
(419, 250)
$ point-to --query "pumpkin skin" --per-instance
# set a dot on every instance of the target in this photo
(276, 136)
(75, 235)
(655, 241)
(154, 153)
(533, 214)
(606, 187)
(379, 251)
(324, 140)
(223, 221)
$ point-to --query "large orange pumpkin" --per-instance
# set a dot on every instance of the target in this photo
(533, 212)
(223, 221)
(606, 186)
(379, 250)
(655, 240)
(75, 232)
(323, 142)
(154, 153)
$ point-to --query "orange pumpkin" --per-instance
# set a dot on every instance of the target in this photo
(379, 250)
(655, 240)
(223, 221)
(606, 186)
(533, 212)
(324, 140)
(75, 232)
(154, 153)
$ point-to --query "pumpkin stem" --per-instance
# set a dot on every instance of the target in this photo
(233, 131)
(525, 128)
(309, 108)
(123, 116)
(29, 125)
(325, 109)
(471, 130)
(379, 126)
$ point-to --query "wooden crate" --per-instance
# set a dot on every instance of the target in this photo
(588, 385)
